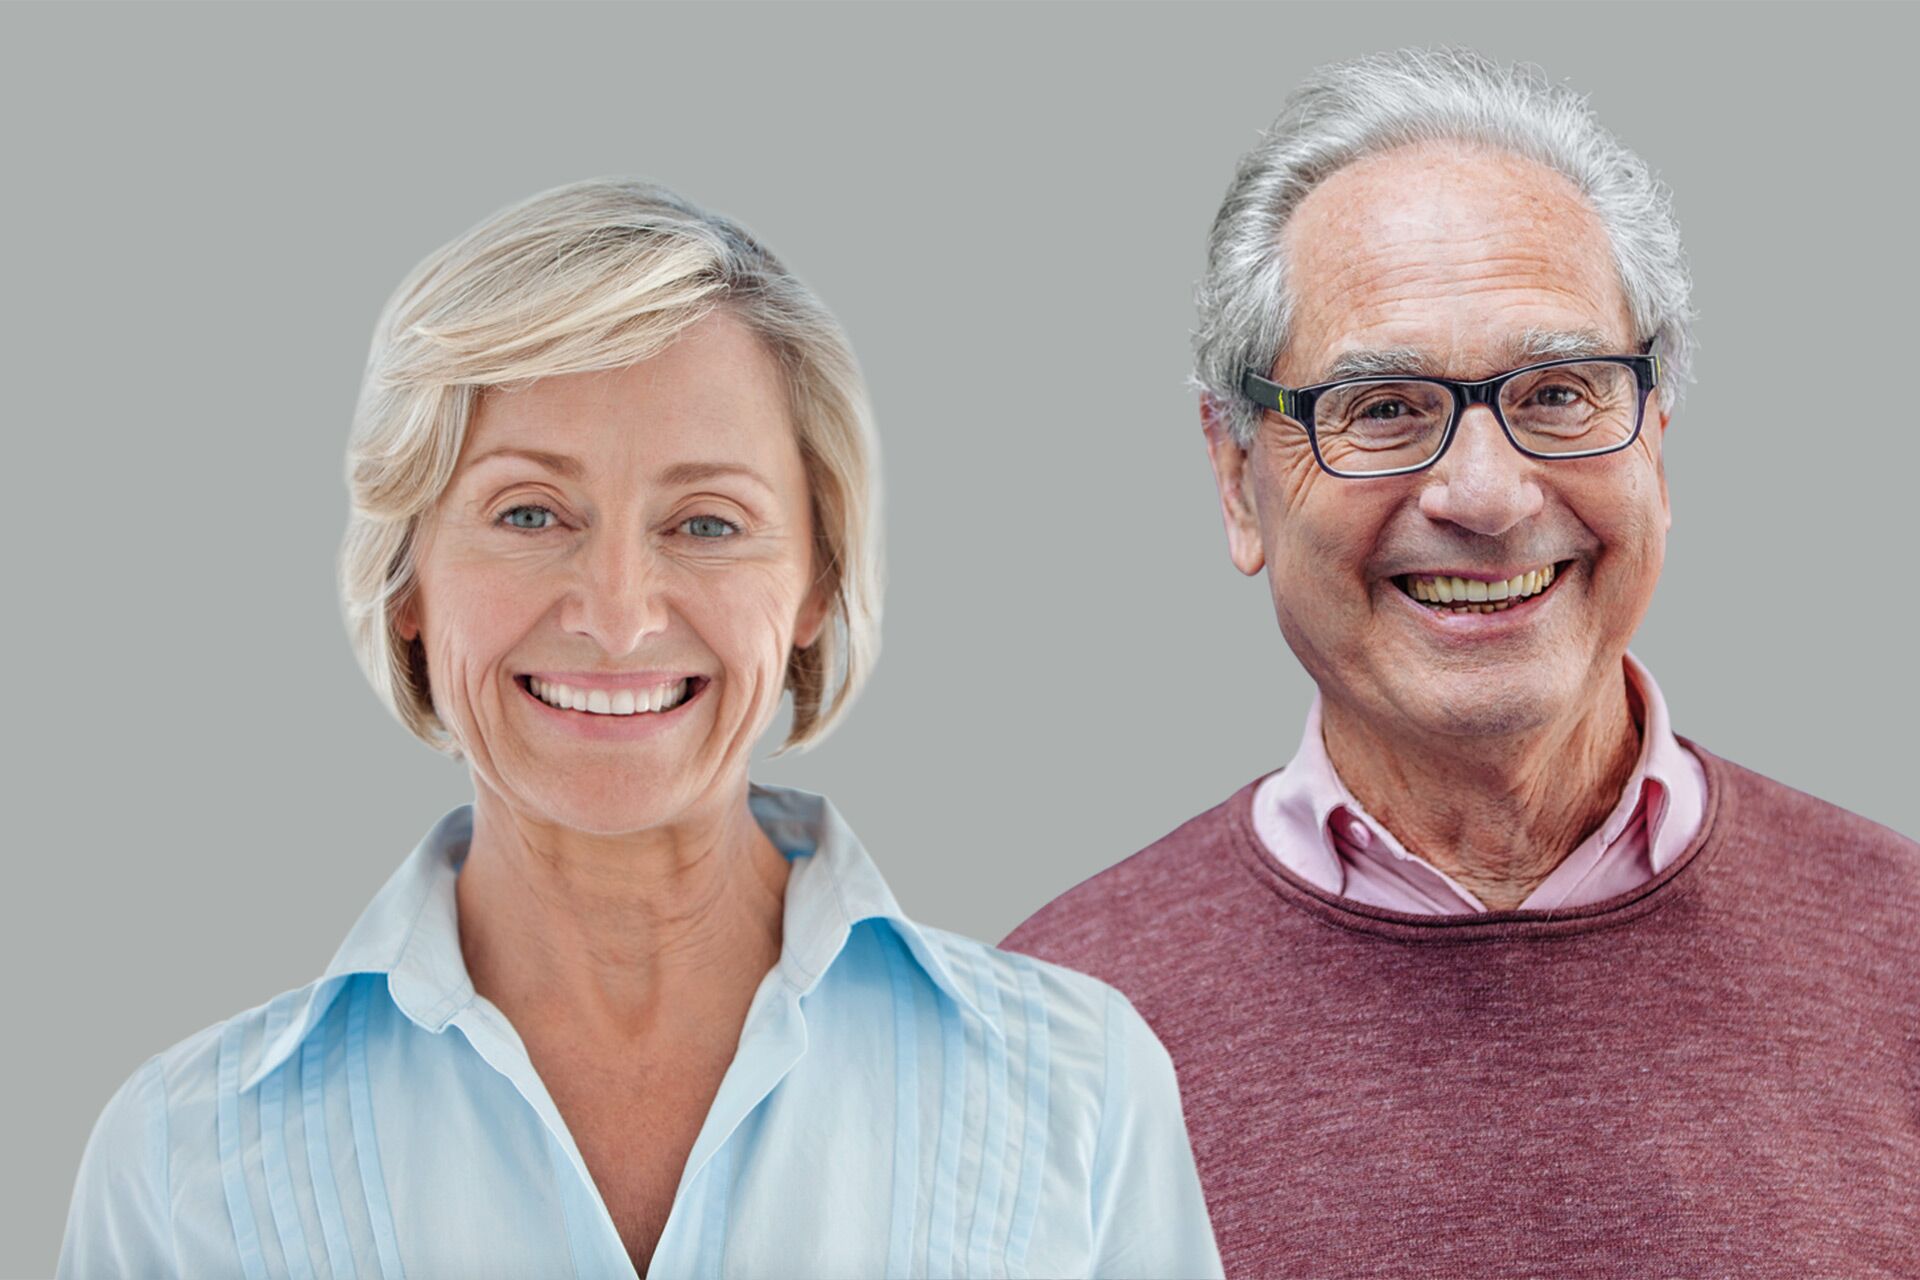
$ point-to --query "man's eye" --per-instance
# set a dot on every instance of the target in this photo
(506, 518)
(1557, 397)
(709, 527)
(1384, 410)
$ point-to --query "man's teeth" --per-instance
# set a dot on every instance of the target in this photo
(1469, 595)
(622, 702)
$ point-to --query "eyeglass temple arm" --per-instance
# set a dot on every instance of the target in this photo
(1268, 395)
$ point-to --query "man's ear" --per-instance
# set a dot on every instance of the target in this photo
(1665, 416)
(1230, 476)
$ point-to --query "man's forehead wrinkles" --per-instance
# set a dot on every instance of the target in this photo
(1482, 323)
(1424, 221)
(1363, 279)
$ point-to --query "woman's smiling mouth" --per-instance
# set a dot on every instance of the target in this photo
(648, 702)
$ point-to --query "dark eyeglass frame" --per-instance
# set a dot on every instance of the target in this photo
(1296, 403)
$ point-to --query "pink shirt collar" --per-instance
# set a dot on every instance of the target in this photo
(1308, 820)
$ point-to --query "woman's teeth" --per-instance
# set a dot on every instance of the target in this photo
(1469, 595)
(621, 702)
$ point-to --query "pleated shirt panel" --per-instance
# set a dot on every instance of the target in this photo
(903, 1102)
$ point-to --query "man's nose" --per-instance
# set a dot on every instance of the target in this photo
(1482, 482)
(620, 597)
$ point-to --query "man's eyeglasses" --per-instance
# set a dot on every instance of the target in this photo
(1361, 428)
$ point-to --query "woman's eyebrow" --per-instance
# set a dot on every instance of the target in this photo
(573, 469)
(564, 464)
(694, 472)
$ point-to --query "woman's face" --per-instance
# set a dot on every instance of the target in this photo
(663, 545)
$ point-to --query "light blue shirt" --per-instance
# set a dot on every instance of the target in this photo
(904, 1102)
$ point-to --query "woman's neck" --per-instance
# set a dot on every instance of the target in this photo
(618, 939)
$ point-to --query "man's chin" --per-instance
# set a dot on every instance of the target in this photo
(1485, 703)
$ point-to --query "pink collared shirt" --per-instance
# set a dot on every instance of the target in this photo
(1310, 822)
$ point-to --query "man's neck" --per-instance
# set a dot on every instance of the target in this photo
(1497, 816)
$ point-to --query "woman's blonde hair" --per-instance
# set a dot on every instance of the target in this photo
(596, 275)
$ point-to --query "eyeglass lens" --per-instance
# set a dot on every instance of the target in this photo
(1388, 424)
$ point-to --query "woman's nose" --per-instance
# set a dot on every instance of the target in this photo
(619, 599)
(1482, 483)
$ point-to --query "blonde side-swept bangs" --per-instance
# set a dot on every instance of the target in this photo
(596, 275)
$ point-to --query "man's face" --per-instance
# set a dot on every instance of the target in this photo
(1464, 256)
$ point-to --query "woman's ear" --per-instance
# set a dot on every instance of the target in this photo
(406, 624)
(814, 612)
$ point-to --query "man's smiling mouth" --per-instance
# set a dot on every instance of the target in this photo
(1444, 593)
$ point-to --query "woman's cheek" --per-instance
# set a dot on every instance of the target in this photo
(758, 621)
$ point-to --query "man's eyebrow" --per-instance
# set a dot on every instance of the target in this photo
(562, 464)
(1527, 347)
(1557, 344)
(1381, 361)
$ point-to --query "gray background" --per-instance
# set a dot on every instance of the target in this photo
(1005, 206)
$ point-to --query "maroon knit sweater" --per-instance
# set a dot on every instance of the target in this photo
(1716, 1074)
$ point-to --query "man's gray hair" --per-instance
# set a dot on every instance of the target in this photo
(1352, 109)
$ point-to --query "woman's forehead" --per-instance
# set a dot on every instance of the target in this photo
(712, 397)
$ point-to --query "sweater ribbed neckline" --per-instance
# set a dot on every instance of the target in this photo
(1458, 928)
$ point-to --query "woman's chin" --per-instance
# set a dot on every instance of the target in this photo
(610, 802)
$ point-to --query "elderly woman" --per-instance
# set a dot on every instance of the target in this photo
(628, 1013)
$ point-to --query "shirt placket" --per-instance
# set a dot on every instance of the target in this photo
(692, 1242)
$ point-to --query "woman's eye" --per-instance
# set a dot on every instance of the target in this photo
(709, 527)
(507, 517)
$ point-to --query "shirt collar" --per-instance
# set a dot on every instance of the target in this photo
(1306, 795)
(1309, 792)
(410, 931)
(833, 886)
(1682, 790)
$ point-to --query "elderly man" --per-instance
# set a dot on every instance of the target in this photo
(1497, 976)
